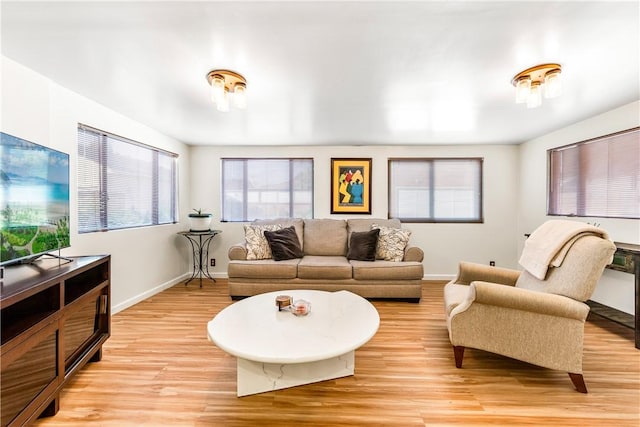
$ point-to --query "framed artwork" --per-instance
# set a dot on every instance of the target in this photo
(351, 186)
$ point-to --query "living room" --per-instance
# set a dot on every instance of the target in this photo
(149, 260)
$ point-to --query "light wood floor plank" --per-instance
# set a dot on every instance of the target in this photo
(159, 369)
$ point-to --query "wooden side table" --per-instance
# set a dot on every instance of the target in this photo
(627, 260)
(200, 241)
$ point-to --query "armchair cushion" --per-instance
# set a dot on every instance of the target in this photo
(578, 276)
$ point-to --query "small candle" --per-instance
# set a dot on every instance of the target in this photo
(283, 301)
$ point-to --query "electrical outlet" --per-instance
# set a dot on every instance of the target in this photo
(213, 262)
(492, 263)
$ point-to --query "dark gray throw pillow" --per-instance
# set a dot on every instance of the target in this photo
(284, 244)
(362, 245)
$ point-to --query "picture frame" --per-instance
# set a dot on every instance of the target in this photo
(350, 186)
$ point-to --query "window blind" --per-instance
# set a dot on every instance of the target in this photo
(599, 177)
(122, 183)
(436, 189)
(266, 188)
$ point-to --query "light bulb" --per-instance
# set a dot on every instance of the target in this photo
(240, 95)
(523, 88)
(535, 96)
(222, 103)
(217, 88)
(552, 84)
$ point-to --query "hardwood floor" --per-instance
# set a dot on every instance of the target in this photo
(159, 369)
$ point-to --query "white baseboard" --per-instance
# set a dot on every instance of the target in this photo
(438, 277)
(151, 292)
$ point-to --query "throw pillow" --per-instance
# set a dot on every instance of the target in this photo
(257, 245)
(284, 244)
(391, 242)
(362, 245)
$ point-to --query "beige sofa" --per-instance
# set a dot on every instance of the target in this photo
(324, 264)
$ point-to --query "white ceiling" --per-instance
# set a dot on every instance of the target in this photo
(354, 72)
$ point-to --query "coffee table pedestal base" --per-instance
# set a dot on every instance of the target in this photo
(258, 377)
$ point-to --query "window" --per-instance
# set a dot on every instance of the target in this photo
(266, 188)
(122, 183)
(599, 177)
(436, 190)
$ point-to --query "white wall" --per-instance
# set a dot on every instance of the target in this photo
(144, 260)
(615, 289)
(444, 244)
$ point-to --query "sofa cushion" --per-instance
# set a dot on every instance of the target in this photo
(324, 267)
(297, 223)
(387, 270)
(325, 237)
(391, 243)
(284, 244)
(264, 269)
(362, 245)
(257, 245)
(364, 224)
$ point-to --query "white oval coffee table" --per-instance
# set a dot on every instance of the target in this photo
(276, 349)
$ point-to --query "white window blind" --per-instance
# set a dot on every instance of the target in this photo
(122, 183)
(266, 188)
(596, 178)
(436, 189)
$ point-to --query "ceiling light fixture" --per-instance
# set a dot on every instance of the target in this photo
(226, 84)
(529, 84)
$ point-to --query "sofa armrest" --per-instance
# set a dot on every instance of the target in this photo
(238, 252)
(498, 295)
(469, 272)
(413, 253)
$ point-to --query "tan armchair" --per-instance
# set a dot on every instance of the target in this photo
(539, 320)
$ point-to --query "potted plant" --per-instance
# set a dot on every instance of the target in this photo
(199, 221)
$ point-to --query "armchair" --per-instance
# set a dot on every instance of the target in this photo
(536, 317)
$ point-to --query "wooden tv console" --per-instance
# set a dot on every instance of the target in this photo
(55, 318)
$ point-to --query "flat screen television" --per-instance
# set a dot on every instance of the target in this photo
(34, 200)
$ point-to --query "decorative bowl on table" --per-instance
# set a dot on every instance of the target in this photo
(301, 307)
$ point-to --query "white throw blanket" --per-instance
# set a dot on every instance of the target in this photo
(549, 243)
